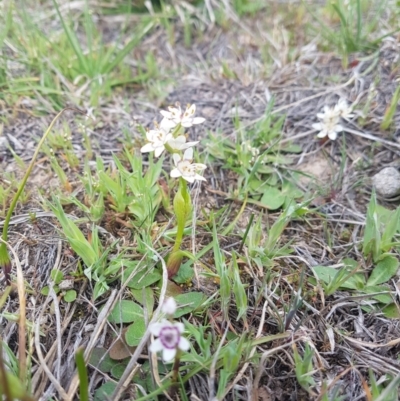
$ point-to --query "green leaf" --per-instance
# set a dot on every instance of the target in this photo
(70, 296)
(135, 333)
(118, 370)
(391, 311)
(238, 289)
(390, 230)
(372, 236)
(101, 360)
(383, 271)
(272, 198)
(188, 302)
(57, 276)
(45, 290)
(145, 296)
(383, 298)
(144, 279)
(126, 312)
(104, 392)
(185, 273)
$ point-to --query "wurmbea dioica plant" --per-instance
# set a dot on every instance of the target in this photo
(169, 136)
(329, 124)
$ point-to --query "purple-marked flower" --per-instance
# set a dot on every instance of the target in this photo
(185, 118)
(185, 168)
(169, 339)
(169, 307)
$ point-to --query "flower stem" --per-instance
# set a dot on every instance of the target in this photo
(182, 206)
(5, 261)
(175, 373)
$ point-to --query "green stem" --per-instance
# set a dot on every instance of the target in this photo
(4, 256)
(182, 221)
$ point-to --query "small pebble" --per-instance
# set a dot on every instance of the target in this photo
(387, 182)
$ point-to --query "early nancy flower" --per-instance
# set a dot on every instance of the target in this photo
(186, 118)
(343, 109)
(157, 139)
(329, 127)
(185, 168)
(179, 143)
(169, 339)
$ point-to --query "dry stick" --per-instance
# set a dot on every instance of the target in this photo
(129, 371)
(372, 137)
(50, 353)
(53, 295)
(22, 316)
(264, 356)
(101, 322)
(44, 366)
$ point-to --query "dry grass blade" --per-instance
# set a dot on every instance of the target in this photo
(22, 316)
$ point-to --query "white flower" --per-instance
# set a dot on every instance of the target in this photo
(170, 306)
(343, 109)
(179, 143)
(330, 113)
(185, 168)
(328, 128)
(157, 139)
(169, 339)
(186, 118)
(167, 125)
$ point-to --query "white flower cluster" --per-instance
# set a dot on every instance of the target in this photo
(169, 334)
(329, 124)
(162, 138)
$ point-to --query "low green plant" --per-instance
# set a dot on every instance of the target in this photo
(57, 277)
(357, 20)
(92, 252)
(5, 262)
(304, 368)
(260, 160)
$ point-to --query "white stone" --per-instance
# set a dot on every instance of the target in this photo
(387, 182)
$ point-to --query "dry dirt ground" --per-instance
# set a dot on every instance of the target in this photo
(301, 85)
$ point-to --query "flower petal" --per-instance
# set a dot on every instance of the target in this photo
(184, 344)
(199, 177)
(158, 151)
(177, 158)
(147, 148)
(168, 354)
(198, 120)
(332, 135)
(155, 328)
(166, 114)
(188, 178)
(322, 134)
(156, 346)
(175, 173)
(317, 126)
(186, 123)
(199, 166)
(167, 124)
(180, 326)
(188, 155)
